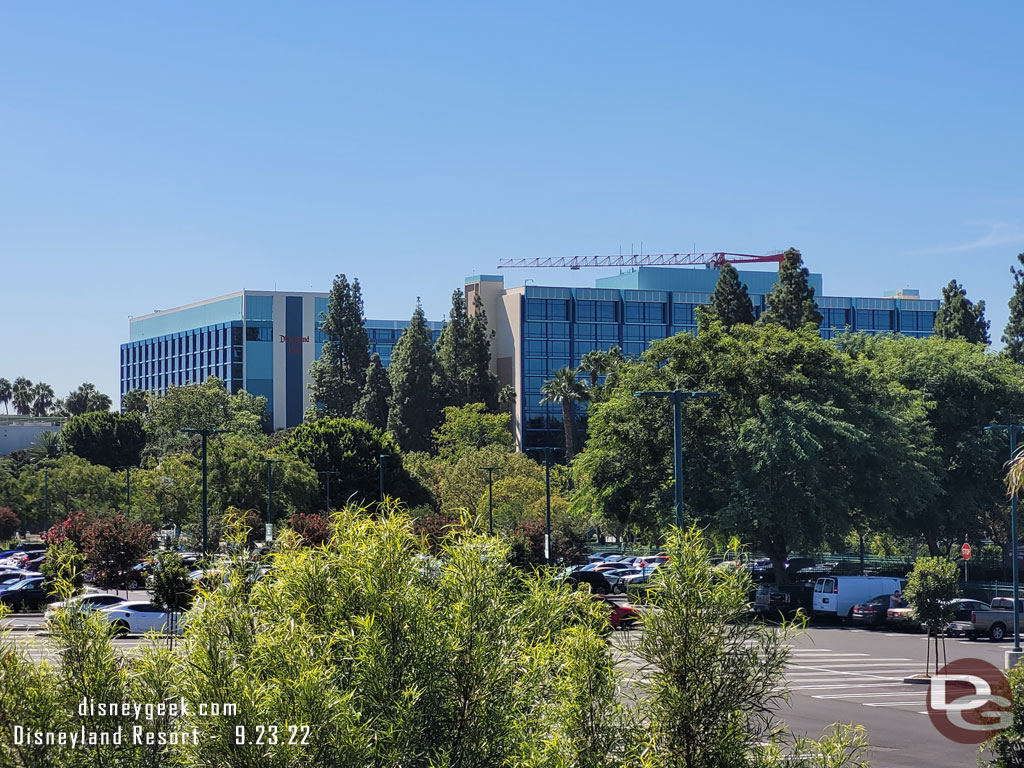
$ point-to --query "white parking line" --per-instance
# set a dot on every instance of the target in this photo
(893, 704)
(866, 695)
(843, 687)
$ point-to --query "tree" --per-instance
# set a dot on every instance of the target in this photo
(113, 545)
(202, 406)
(42, 398)
(6, 392)
(959, 317)
(135, 400)
(338, 374)
(313, 529)
(9, 523)
(469, 428)
(791, 300)
(373, 405)
(730, 302)
(464, 356)
(595, 363)
(415, 407)
(171, 586)
(102, 437)
(566, 390)
(86, 399)
(932, 586)
(352, 450)
(1013, 336)
(21, 396)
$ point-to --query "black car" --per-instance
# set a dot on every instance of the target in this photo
(599, 584)
(27, 594)
(775, 600)
(871, 613)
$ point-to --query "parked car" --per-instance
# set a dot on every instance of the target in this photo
(997, 621)
(136, 618)
(835, 596)
(782, 600)
(962, 610)
(871, 613)
(622, 615)
(86, 603)
(598, 582)
(25, 594)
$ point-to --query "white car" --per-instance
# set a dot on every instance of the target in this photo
(137, 617)
(86, 603)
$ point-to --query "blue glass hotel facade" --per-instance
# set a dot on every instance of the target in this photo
(540, 329)
(261, 341)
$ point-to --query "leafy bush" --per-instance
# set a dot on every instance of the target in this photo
(9, 523)
(314, 529)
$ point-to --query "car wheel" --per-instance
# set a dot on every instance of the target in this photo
(121, 628)
(997, 633)
(600, 589)
(626, 624)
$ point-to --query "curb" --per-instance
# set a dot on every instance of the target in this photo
(921, 679)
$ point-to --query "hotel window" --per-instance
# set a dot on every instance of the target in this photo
(547, 309)
(682, 314)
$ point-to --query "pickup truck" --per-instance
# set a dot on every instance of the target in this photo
(996, 622)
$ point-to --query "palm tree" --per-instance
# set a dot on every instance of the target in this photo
(43, 395)
(21, 396)
(563, 387)
(595, 363)
(6, 390)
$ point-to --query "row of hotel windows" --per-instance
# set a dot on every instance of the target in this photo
(231, 375)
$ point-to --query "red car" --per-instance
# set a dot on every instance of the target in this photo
(623, 615)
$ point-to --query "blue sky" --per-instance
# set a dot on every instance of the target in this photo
(156, 154)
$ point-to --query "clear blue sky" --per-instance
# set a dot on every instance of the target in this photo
(154, 154)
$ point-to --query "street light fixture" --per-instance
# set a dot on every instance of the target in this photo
(490, 498)
(128, 487)
(1012, 429)
(327, 491)
(380, 462)
(269, 533)
(547, 493)
(677, 397)
(205, 433)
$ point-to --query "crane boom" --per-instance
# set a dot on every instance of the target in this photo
(642, 260)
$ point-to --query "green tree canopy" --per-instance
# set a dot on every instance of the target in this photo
(86, 399)
(1013, 336)
(6, 392)
(960, 318)
(373, 405)
(102, 437)
(730, 302)
(469, 428)
(202, 406)
(464, 356)
(791, 301)
(352, 449)
(564, 389)
(339, 373)
(415, 407)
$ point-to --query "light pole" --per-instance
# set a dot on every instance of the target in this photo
(547, 493)
(677, 397)
(205, 433)
(128, 487)
(490, 498)
(380, 462)
(327, 491)
(1012, 429)
(269, 534)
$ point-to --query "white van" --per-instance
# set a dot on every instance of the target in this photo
(836, 595)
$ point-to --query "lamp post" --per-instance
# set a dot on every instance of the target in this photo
(380, 462)
(269, 534)
(1012, 429)
(677, 397)
(128, 487)
(490, 498)
(327, 491)
(46, 493)
(547, 493)
(205, 434)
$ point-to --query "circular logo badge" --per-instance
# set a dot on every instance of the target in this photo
(969, 701)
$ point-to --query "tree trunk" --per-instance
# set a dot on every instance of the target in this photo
(933, 544)
(777, 551)
(569, 426)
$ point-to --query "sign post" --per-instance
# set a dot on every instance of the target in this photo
(965, 552)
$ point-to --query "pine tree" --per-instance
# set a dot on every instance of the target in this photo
(414, 408)
(483, 384)
(730, 302)
(339, 373)
(1013, 336)
(960, 318)
(791, 300)
(452, 384)
(373, 405)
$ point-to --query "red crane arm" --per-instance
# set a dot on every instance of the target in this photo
(642, 260)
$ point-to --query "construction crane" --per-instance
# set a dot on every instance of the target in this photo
(709, 260)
